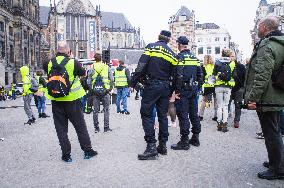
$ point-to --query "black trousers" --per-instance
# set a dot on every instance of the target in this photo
(64, 111)
(156, 93)
(269, 122)
(187, 109)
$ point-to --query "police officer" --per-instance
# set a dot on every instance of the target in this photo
(188, 78)
(154, 71)
(69, 107)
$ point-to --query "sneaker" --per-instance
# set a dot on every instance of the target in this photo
(90, 154)
(259, 135)
(118, 112)
(97, 129)
(40, 115)
(126, 112)
(66, 159)
(29, 122)
(107, 130)
(44, 115)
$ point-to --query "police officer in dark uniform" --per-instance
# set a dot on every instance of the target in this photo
(154, 70)
(188, 78)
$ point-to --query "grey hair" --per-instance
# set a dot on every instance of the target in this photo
(63, 48)
(271, 23)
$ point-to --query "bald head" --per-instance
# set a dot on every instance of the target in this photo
(266, 25)
(63, 48)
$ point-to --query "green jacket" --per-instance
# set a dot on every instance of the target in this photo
(266, 59)
(26, 79)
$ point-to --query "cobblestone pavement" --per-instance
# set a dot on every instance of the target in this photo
(30, 155)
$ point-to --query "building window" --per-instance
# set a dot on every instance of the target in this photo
(217, 39)
(129, 41)
(119, 40)
(25, 35)
(2, 26)
(217, 50)
(25, 56)
(11, 54)
(10, 31)
(200, 50)
(105, 40)
(31, 37)
(199, 40)
(208, 50)
(225, 39)
(2, 49)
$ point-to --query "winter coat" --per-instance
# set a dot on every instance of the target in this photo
(266, 59)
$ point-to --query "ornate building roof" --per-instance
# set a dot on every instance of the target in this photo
(115, 20)
(183, 11)
(207, 26)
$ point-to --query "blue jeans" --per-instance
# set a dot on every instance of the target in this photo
(41, 104)
(282, 122)
(121, 96)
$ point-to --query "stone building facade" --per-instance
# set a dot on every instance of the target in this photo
(264, 9)
(86, 29)
(19, 38)
(118, 32)
(182, 23)
(210, 39)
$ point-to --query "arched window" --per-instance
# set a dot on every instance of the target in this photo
(119, 40)
(130, 41)
(105, 40)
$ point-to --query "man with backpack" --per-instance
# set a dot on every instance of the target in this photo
(121, 82)
(100, 80)
(224, 74)
(28, 89)
(64, 91)
(260, 90)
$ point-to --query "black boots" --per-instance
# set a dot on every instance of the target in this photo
(195, 140)
(222, 127)
(43, 115)
(150, 153)
(162, 148)
(183, 144)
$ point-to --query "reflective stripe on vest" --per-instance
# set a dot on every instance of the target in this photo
(120, 78)
(103, 70)
(208, 71)
(161, 52)
(76, 91)
(230, 83)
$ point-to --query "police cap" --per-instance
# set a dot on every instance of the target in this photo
(166, 33)
(182, 40)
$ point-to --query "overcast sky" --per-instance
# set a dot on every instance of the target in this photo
(152, 15)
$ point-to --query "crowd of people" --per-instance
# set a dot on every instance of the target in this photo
(169, 84)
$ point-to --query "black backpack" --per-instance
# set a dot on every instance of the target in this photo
(99, 86)
(34, 87)
(58, 84)
(225, 72)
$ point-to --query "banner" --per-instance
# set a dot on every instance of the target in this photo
(92, 38)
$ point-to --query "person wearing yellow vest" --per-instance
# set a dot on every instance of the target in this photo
(208, 89)
(13, 91)
(69, 107)
(41, 94)
(121, 82)
(27, 93)
(224, 74)
(102, 71)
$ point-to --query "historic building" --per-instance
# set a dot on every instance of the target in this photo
(86, 29)
(118, 32)
(210, 39)
(264, 9)
(19, 38)
(182, 23)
